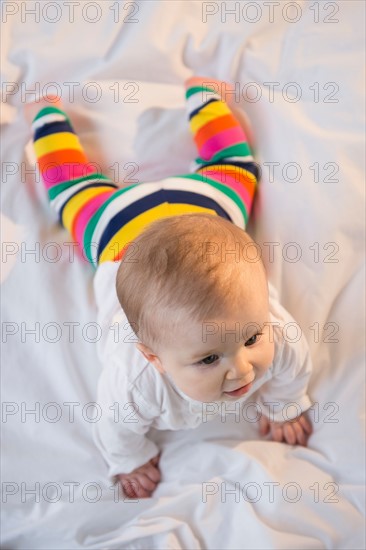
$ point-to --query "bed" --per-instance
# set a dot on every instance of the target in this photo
(120, 66)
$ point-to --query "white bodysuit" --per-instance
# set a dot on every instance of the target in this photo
(133, 396)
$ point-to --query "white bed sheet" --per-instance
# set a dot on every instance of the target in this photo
(318, 492)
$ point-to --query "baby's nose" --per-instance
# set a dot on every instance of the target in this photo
(240, 367)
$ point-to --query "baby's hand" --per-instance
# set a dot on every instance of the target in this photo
(141, 482)
(294, 432)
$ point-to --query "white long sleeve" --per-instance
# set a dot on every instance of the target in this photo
(284, 396)
(126, 417)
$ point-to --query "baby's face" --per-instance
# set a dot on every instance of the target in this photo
(210, 361)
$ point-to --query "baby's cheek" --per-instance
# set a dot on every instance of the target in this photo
(201, 386)
(265, 359)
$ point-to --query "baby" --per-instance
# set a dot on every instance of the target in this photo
(196, 325)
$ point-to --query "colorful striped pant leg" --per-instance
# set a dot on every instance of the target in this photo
(225, 160)
(104, 220)
(76, 189)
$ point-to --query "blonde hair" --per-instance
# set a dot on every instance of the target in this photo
(178, 268)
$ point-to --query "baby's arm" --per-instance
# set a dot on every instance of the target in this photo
(284, 399)
(120, 433)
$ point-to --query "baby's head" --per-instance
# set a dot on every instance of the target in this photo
(196, 295)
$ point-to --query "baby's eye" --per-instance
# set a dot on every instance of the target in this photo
(209, 359)
(253, 339)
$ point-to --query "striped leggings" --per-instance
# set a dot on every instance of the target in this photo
(103, 218)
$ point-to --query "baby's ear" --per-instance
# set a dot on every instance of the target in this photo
(150, 356)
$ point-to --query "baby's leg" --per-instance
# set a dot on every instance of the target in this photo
(77, 191)
(225, 160)
(228, 94)
(102, 218)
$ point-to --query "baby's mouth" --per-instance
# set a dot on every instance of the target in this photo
(241, 390)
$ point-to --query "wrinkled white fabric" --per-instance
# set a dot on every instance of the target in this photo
(318, 498)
